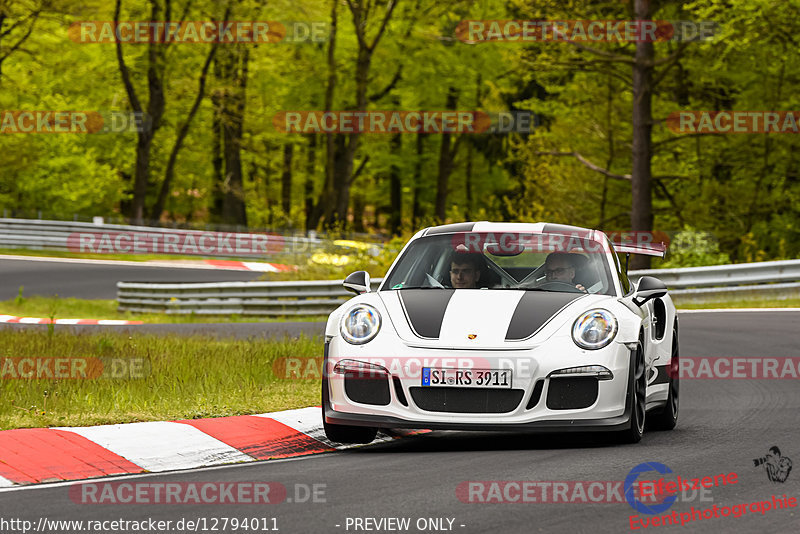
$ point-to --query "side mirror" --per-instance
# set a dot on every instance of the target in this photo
(648, 288)
(357, 282)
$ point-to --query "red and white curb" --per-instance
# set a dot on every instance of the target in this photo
(250, 266)
(34, 455)
(38, 320)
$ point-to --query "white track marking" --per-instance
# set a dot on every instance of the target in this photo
(5, 483)
(162, 446)
(260, 267)
(722, 310)
(114, 478)
(309, 422)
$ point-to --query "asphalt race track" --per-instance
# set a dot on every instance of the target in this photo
(723, 426)
(96, 281)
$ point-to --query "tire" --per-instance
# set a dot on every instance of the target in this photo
(637, 390)
(667, 418)
(344, 433)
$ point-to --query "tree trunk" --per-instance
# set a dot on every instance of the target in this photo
(183, 131)
(308, 186)
(416, 209)
(396, 187)
(156, 64)
(446, 154)
(233, 70)
(344, 176)
(286, 182)
(326, 201)
(641, 196)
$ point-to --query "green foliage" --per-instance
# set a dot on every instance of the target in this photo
(690, 248)
(743, 189)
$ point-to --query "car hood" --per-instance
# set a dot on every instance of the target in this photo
(474, 318)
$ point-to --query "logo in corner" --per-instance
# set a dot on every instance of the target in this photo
(630, 483)
(778, 467)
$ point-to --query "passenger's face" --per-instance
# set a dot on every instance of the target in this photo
(559, 270)
(463, 276)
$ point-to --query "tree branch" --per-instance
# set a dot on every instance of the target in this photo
(183, 131)
(385, 90)
(672, 57)
(123, 69)
(356, 12)
(358, 171)
(386, 17)
(609, 56)
(587, 163)
(22, 39)
(680, 137)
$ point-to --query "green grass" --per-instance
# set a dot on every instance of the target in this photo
(72, 308)
(773, 303)
(185, 378)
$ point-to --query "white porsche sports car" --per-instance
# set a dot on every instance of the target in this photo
(503, 326)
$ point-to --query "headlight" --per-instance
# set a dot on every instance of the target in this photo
(594, 329)
(360, 324)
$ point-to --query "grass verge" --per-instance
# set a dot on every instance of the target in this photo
(184, 377)
(73, 308)
(769, 303)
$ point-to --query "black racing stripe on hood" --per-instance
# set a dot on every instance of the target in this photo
(534, 309)
(425, 309)
(451, 228)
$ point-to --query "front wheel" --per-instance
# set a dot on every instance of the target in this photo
(344, 433)
(667, 418)
(637, 391)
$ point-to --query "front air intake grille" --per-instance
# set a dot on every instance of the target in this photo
(398, 390)
(367, 390)
(566, 393)
(536, 395)
(466, 400)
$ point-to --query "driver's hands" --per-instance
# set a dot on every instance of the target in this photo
(580, 286)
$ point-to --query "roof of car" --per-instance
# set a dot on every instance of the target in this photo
(486, 226)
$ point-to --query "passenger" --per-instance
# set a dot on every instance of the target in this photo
(560, 267)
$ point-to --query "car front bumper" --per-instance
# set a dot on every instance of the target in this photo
(401, 406)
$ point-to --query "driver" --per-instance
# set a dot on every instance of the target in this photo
(560, 267)
(465, 270)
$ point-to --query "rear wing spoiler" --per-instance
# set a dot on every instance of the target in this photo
(652, 249)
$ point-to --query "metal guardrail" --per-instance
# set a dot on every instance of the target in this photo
(742, 281)
(777, 279)
(242, 298)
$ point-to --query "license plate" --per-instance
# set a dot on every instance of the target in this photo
(466, 378)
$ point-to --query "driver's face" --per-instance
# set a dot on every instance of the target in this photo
(463, 276)
(559, 270)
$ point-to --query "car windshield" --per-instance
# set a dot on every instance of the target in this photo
(526, 261)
